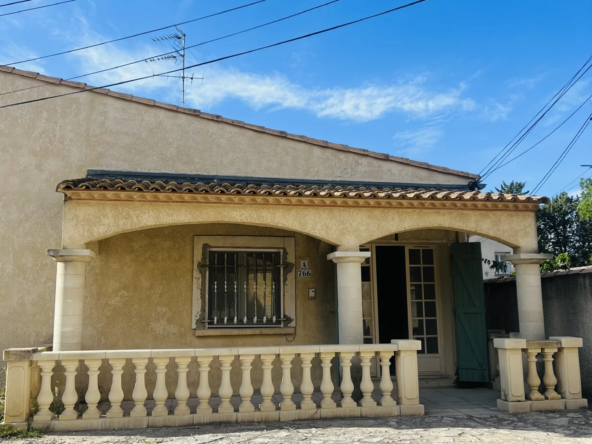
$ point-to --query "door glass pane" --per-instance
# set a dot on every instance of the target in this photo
(367, 340)
(432, 345)
(368, 330)
(427, 256)
(418, 327)
(414, 257)
(431, 327)
(429, 291)
(415, 274)
(416, 293)
(428, 274)
(366, 309)
(430, 309)
(417, 310)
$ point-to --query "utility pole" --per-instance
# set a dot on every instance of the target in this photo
(178, 40)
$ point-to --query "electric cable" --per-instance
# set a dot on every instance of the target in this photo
(14, 3)
(174, 52)
(133, 35)
(37, 7)
(562, 156)
(540, 141)
(513, 144)
(565, 188)
(87, 89)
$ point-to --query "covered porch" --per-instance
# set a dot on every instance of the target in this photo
(185, 303)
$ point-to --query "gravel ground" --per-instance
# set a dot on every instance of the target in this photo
(540, 428)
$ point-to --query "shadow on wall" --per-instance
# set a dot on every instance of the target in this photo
(567, 304)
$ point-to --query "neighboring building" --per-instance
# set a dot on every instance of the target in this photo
(184, 235)
(493, 251)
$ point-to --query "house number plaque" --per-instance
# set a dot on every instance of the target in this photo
(304, 270)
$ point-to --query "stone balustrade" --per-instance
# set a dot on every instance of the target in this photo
(32, 377)
(523, 362)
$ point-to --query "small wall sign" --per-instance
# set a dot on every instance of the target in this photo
(312, 294)
(304, 270)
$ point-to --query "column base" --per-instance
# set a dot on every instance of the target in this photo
(513, 407)
(574, 404)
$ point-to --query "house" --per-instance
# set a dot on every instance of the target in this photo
(193, 256)
(493, 251)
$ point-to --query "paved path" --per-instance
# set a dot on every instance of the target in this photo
(540, 428)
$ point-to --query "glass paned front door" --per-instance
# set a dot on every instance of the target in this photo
(422, 298)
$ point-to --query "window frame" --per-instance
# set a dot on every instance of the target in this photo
(211, 325)
(202, 246)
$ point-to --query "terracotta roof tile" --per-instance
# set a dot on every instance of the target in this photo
(291, 190)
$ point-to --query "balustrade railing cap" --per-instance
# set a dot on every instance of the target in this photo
(543, 344)
(568, 341)
(21, 354)
(509, 343)
(406, 344)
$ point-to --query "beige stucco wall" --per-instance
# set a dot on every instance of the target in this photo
(44, 143)
(139, 295)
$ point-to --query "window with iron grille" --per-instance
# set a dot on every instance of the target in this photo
(244, 288)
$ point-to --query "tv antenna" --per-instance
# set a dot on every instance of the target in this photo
(178, 40)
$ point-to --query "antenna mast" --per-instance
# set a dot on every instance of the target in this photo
(179, 47)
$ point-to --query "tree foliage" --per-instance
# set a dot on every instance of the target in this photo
(513, 187)
(561, 229)
(585, 206)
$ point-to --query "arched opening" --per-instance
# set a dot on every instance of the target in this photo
(143, 290)
(415, 287)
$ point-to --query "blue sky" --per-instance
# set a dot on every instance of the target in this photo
(445, 82)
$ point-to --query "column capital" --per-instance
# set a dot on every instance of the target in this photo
(71, 255)
(348, 256)
(527, 258)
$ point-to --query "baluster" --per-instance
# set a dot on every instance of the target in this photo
(549, 379)
(45, 397)
(347, 385)
(246, 388)
(70, 397)
(203, 391)
(533, 380)
(307, 388)
(116, 392)
(225, 390)
(140, 393)
(327, 386)
(286, 387)
(386, 384)
(182, 392)
(267, 388)
(367, 386)
(93, 396)
(161, 393)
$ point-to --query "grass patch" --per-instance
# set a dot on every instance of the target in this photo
(8, 431)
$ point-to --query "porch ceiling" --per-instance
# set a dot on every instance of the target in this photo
(120, 189)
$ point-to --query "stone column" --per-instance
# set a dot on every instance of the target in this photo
(529, 294)
(349, 294)
(69, 299)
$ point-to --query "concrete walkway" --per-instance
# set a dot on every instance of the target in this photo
(454, 401)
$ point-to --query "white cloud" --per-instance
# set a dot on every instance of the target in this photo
(11, 52)
(496, 111)
(417, 142)
(364, 103)
(524, 83)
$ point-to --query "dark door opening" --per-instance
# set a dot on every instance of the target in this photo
(391, 286)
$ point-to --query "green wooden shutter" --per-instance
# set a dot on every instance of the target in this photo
(469, 310)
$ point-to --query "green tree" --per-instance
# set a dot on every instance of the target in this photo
(513, 187)
(585, 206)
(562, 230)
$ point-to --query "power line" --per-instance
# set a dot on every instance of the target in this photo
(134, 35)
(540, 141)
(173, 52)
(14, 3)
(220, 58)
(566, 186)
(513, 144)
(37, 7)
(562, 155)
